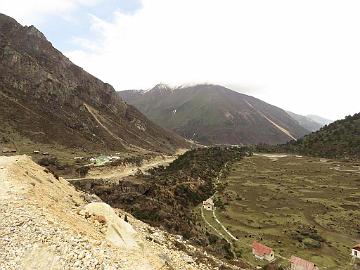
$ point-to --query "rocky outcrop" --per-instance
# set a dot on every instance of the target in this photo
(117, 231)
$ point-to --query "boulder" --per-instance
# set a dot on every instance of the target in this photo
(119, 232)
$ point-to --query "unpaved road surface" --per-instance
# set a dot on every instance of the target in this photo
(121, 171)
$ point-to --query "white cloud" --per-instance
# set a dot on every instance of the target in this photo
(300, 55)
(33, 11)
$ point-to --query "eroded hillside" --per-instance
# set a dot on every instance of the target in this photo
(46, 224)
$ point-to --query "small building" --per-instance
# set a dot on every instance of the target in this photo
(208, 204)
(262, 252)
(301, 264)
(355, 251)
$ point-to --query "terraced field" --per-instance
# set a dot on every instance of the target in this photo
(301, 206)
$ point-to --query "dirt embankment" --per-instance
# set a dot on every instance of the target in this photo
(47, 224)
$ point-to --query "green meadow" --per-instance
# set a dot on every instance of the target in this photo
(308, 207)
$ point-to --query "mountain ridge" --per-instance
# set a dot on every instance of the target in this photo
(340, 139)
(306, 122)
(319, 119)
(213, 114)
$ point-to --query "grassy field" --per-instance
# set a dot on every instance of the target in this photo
(308, 207)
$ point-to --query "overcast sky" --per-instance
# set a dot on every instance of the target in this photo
(301, 55)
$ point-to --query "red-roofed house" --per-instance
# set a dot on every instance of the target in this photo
(355, 252)
(301, 264)
(261, 251)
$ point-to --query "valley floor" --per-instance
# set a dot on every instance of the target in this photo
(308, 207)
(297, 205)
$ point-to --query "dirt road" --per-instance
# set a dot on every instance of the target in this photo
(108, 172)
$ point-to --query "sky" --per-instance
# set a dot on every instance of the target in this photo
(303, 56)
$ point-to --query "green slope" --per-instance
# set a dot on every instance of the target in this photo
(212, 114)
(340, 139)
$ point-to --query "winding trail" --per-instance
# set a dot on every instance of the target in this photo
(223, 227)
(211, 226)
(227, 232)
(217, 181)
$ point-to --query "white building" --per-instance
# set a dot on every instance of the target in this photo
(208, 204)
(355, 252)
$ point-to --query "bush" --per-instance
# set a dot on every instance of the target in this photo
(47, 161)
(311, 243)
(83, 171)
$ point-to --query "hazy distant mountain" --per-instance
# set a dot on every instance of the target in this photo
(212, 114)
(45, 98)
(320, 119)
(306, 122)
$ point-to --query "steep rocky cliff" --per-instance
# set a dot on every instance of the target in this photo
(45, 98)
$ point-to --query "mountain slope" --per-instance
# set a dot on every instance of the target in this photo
(306, 122)
(339, 139)
(320, 119)
(213, 114)
(45, 98)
